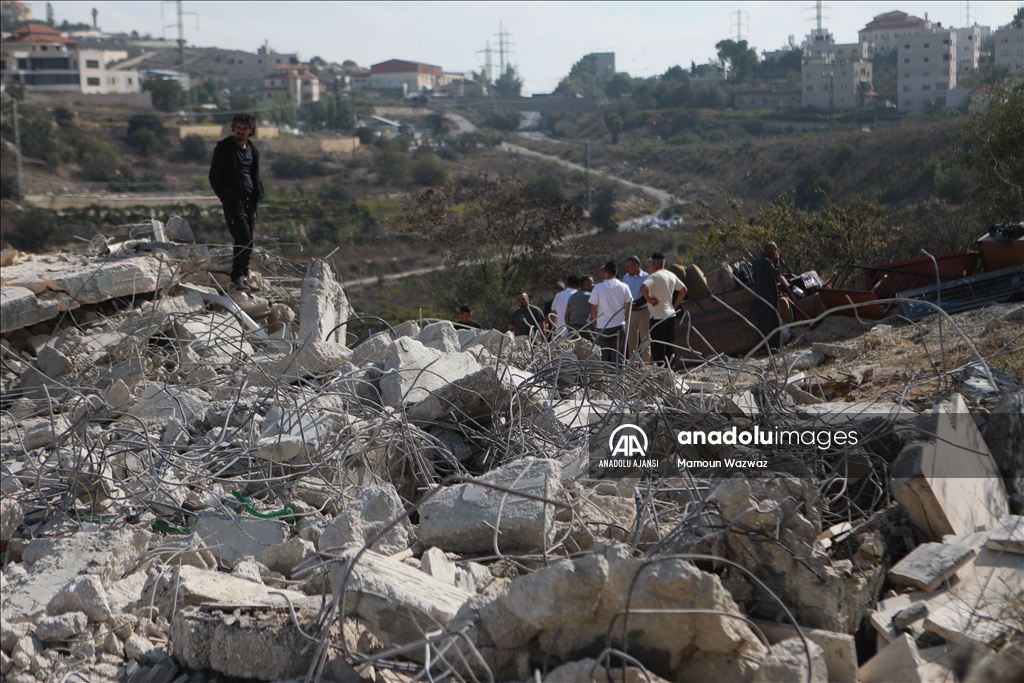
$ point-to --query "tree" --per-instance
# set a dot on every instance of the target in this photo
(507, 120)
(428, 169)
(675, 73)
(391, 165)
(603, 210)
(498, 238)
(193, 148)
(614, 124)
(144, 142)
(585, 78)
(167, 93)
(996, 134)
(509, 84)
(1018, 18)
(620, 84)
(741, 59)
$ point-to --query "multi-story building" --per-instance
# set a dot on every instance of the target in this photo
(884, 33)
(835, 84)
(40, 58)
(410, 77)
(926, 69)
(1009, 48)
(294, 83)
(968, 48)
(246, 70)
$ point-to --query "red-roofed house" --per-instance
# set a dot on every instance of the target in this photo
(883, 33)
(411, 77)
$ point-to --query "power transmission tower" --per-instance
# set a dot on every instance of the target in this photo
(181, 28)
(488, 65)
(739, 23)
(967, 13)
(504, 48)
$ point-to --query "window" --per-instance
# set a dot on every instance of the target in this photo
(944, 42)
(926, 87)
(3, 65)
(907, 60)
(43, 48)
(907, 47)
(945, 58)
(92, 81)
(906, 88)
(51, 79)
(926, 59)
(129, 81)
(92, 64)
(23, 64)
(926, 74)
(810, 88)
(47, 63)
(926, 45)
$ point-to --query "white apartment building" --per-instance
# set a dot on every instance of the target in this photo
(40, 58)
(968, 48)
(835, 84)
(1009, 49)
(927, 68)
(884, 33)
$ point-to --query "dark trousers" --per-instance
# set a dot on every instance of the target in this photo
(610, 340)
(241, 219)
(663, 337)
(768, 322)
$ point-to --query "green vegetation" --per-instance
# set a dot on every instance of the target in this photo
(167, 93)
(996, 153)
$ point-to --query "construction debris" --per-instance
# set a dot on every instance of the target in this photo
(199, 483)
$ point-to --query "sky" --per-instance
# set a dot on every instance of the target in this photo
(546, 37)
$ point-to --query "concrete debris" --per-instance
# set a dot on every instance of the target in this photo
(201, 483)
(473, 518)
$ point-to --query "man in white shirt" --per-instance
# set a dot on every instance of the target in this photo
(640, 318)
(560, 304)
(663, 292)
(610, 303)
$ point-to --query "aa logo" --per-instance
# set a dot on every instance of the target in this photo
(628, 441)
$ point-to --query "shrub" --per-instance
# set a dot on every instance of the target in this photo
(35, 230)
(504, 119)
(428, 170)
(391, 166)
(954, 183)
(98, 159)
(296, 167)
(335, 189)
(148, 122)
(365, 135)
(193, 148)
(812, 179)
(144, 142)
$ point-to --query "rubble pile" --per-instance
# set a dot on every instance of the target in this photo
(199, 483)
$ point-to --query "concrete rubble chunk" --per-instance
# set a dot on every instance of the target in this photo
(949, 484)
(840, 351)
(590, 671)
(788, 661)
(177, 229)
(311, 359)
(1004, 434)
(230, 538)
(591, 590)
(395, 599)
(11, 516)
(497, 343)
(475, 395)
(441, 336)
(372, 349)
(463, 518)
(839, 649)
(286, 557)
(161, 402)
(190, 587)
(436, 564)
(115, 277)
(929, 565)
(247, 568)
(20, 308)
(1008, 535)
(82, 594)
(61, 628)
(363, 518)
(412, 371)
(280, 448)
(44, 432)
(324, 307)
(900, 662)
(50, 563)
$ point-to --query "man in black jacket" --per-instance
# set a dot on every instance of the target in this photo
(235, 179)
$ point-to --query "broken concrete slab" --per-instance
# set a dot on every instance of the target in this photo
(412, 371)
(20, 308)
(840, 351)
(437, 565)
(497, 343)
(363, 518)
(1004, 434)
(1008, 535)
(323, 307)
(286, 557)
(949, 484)
(470, 518)
(788, 661)
(395, 599)
(280, 448)
(230, 538)
(10, 517)
(900, 662)
(188, 586)
(160, 402)
(929, 565)
(52, 562)
(882, 617)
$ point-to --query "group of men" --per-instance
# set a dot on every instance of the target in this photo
(618, 314)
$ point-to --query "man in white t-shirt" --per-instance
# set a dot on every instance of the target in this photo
(663, 292)
(560, 304)
(640, 317)
(610, 303)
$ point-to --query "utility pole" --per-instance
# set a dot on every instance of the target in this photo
(504, 49)
(586, 147)
(967, 11)
(818, 8)
(17, 150)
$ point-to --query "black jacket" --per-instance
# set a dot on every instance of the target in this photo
(224, 172)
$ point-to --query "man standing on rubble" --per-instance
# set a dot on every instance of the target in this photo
(577, 312)
(235, 179)
(610, 305)
(663, 292)
(640, 316)
(767, 278)
(526, 318)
